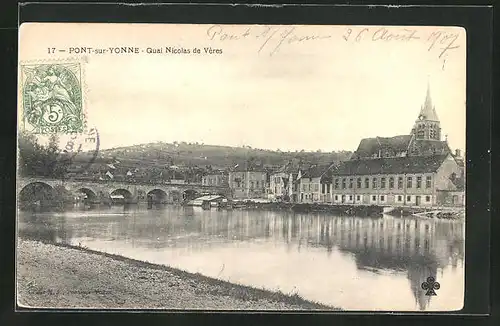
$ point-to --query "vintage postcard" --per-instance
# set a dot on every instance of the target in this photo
(241, 167)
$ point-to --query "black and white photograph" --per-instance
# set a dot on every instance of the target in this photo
(241, 167)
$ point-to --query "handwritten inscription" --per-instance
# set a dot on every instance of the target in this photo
(381, 34)
(273, 38)
(445, 41)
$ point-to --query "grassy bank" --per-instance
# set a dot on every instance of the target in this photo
(64, 276)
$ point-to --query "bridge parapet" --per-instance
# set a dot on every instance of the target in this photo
(107, 186)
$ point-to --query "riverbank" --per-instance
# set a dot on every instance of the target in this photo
(357, 210)
(339, 210)
(64, 276)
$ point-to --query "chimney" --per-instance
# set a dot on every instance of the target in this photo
(457, 152)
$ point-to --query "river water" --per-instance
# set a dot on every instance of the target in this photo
(347, 262)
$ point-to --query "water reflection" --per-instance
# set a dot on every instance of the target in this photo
(400, 248)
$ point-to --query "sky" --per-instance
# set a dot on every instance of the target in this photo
(278, 87)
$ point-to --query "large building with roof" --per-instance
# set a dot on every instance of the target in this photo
(418, 169)
(248, 182)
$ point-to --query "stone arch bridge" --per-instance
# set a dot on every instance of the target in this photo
(99, 191)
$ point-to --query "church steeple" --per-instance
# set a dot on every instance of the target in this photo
(427, 125)
(428, 111)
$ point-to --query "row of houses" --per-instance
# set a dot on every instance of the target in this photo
(418, 169)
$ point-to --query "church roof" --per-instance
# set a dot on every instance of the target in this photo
(429, 147)
(378, 146)
(428, 111)
(393, 165)
(368, 147)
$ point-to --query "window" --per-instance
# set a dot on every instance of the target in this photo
(336, 197)
(350, 197)
(427, 198)
(304, 187)
(358, 183)
(409, 182)
(316, 187)
(391, 182)
(367, 183)
(374, 198)
(374, 183)
(310, 187)
(400, 182)
(323, 188)
(419, 182)
(382, 183)
(336, 183)
(275, 189)
(400, 198)
(257, 184)
(327, 188)
(428, 181)
(382, 198)
(343, 183)
(408, 198)
(351, 183)
(251, 184)
(358, 198)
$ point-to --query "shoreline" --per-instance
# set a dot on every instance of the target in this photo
(57, 275)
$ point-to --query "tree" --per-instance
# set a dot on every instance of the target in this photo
(39, 160)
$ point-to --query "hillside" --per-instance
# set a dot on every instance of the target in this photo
(174, 160)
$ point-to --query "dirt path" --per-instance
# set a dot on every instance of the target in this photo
(54, 276)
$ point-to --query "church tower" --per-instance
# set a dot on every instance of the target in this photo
(427, 126)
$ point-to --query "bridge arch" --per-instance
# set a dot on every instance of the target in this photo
(190, 194)
(36, 192)
(121, 196)
(157, 196)
(89, 193)
(120, 191)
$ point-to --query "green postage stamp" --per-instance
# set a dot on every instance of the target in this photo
(52, 98)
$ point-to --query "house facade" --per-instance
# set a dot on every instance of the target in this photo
(400, 181)
(315, 185)
(278, 186)
(283, 183)
(248, 183)
(215, 179)
(294, 186)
